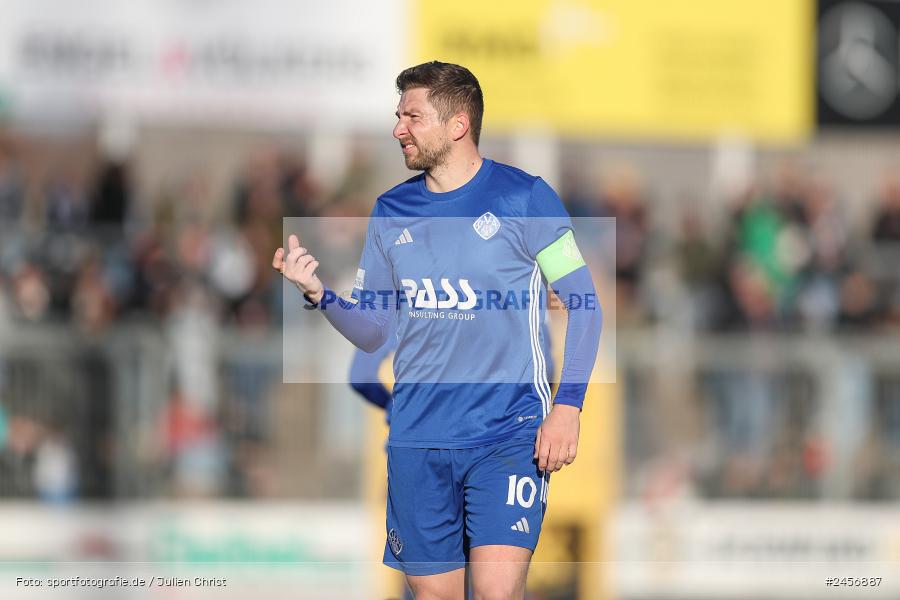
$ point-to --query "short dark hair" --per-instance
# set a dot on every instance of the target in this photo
(451, 88)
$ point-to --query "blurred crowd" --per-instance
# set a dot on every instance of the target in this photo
(784, 255)
(83, 244)
(83, 251)
(78, 247)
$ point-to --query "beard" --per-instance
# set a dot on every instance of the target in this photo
(427, 159)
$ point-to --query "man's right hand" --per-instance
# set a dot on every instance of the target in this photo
(299, 267)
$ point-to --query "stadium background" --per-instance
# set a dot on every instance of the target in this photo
(750, 447)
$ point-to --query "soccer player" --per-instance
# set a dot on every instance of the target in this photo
(473, 434)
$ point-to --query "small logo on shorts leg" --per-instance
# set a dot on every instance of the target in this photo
(521, 525)
(394, 541)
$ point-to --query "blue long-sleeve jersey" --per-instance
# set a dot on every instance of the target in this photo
(459, 272)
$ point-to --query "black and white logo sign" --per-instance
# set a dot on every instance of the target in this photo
(858, 62)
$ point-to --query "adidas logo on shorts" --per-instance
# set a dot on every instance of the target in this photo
(521, 525)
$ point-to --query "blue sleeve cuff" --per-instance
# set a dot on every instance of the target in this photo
(365, 329)
(571, 394)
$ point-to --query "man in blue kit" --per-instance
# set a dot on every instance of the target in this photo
(456, 260)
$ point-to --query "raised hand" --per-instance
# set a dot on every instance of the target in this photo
(299, 267)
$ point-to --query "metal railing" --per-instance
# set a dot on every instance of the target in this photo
(762, 416)
(112, 411)
(114, 416)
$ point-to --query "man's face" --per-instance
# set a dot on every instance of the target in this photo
(422, 136)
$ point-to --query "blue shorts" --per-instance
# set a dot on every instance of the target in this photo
(441, 502)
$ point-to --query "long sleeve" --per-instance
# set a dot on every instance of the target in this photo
(576, 292)
(363, 324)
(366, 318)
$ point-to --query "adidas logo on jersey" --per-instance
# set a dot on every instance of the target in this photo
(521, 525)
(405, 238)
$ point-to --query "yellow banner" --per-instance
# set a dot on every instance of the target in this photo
(685, 69)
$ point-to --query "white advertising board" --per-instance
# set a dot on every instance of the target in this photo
(259, 549)
(756, 550)
(260, 62)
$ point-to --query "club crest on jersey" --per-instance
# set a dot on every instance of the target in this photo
(394, 541)
(487, 225)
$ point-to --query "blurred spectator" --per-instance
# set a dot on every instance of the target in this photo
(4, 424)
(193, 440)
(31, 292)
(192, 447)
(744, 417)
(155, 276)
(185, 202)
(93, 306)
(752, 298)
(193, 249)
(859, 301)
(258, 194)
(819, 256)
(246, 415)
(88, 420)
(353, 196)
(5, 316)
(621, 197)
(299, 191)
(12, 187)
(827, 230)
(112, 194)
(891, 318)
(192, 334)
(699, 267)
(789, 191)
(17, 461)
(118, 275)
(574, 192)
(233, 265)
(55, 468)
(817, 303)
(757, 276)
(66, 201)
(886, 223)
(869, 482)
(252, 284)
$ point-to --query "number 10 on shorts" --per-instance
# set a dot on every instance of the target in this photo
(516, 491)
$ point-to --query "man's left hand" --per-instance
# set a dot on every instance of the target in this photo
(557, 438)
